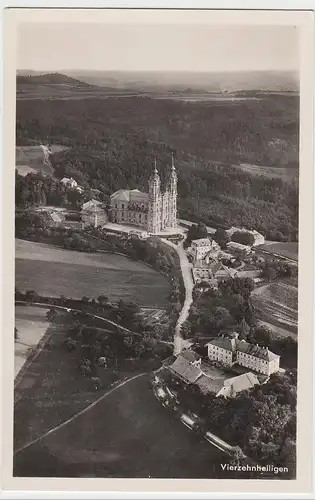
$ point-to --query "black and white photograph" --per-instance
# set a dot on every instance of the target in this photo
(157, 169)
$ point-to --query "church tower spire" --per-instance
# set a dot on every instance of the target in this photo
(172, 209)
(154, 206)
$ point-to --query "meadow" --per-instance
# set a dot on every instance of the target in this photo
(128, 423)
(53, 271)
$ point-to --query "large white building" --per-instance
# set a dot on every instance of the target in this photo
(204, 250)
(155, 211)
(230, 351)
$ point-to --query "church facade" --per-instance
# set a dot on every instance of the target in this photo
(155, 211)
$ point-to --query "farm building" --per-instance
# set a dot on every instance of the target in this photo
(238, 248)
(190, 369)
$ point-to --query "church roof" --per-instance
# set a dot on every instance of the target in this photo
(121, 195)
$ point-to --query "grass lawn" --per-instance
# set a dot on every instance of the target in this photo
(127, 434)
(53, 271)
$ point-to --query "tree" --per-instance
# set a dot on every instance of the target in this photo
(237, 455)
(102, 299)
(51, 314)
(222, 238)
(243, 237)
(16, 334)
(31, 296)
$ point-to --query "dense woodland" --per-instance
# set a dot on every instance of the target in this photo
(112, 144)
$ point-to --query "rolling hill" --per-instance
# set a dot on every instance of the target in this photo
(50, 79)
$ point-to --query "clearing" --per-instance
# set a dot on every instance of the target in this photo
(30, 159)
(277, 305)
(54, 271)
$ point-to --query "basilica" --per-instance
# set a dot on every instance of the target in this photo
(155, 211)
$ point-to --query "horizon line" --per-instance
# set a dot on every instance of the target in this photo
(164, 70)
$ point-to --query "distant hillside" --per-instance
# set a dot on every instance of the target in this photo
(180, 80)
(50, 79)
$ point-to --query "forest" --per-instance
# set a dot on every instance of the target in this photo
(112, 144)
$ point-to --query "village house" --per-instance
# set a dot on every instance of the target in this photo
(69, 183)
(229, 351)
(93, 213)
(203, 251)
(238, 248)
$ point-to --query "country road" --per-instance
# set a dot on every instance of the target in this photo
(179, 342)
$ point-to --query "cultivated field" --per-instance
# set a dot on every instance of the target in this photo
(53, 271)
(30, 159)
(277, 305)
(32, 325)
(131, 435)
(288, 250)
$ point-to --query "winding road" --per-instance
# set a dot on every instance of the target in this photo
(179, 342)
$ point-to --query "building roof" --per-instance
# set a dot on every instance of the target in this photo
(239, 246)
(233, 344)
(55, 217)
(229, 344)
(121, 195)
(189, 355)
(207, 384)
(225, 271)
(202, 242)
(186, 370)
(126, 194)
(256, 350)
(91, 204)
(242, 382)
(65, 180)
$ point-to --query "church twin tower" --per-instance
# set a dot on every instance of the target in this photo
(162, 206)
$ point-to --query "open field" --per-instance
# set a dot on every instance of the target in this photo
(288, 250)
(51, 388)
(132, 436)
(32, 325)
(277, 305)
(31, 159)
(53, 271)
(286, 174)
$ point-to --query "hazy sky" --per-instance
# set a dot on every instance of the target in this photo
(57, 46)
